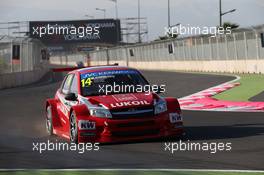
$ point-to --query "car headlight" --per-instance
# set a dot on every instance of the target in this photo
(100, 112)
(160, 106)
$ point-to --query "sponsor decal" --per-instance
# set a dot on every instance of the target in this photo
(175, 117)
(130, 103)
(107, 73)
(86, 125)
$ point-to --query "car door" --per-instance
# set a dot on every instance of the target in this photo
(63, 104)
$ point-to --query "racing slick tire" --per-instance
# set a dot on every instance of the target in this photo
(73, 128)
(49, 124)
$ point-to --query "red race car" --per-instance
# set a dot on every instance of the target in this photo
(106, 104)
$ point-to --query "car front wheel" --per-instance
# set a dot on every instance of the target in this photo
(73, 128)
(49, 126)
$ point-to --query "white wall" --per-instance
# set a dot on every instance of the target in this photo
(21, 78)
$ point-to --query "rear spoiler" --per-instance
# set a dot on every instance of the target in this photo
(68, 69)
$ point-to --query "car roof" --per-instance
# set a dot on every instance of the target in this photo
(101, 68)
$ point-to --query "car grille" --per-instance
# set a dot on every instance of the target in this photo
(132, 113)
(135, 133)
(136, 124)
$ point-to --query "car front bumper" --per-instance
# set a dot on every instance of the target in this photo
(121, 130)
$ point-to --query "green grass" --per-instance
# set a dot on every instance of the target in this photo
(125, 173)
(250, 86)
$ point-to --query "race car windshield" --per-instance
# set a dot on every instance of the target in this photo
(112, 82)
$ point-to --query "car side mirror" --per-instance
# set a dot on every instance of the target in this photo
(71, 97)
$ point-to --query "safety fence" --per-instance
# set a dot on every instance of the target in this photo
(241, 51)
(243, 45)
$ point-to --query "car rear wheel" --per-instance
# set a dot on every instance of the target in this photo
(49, 125)
(73, 128)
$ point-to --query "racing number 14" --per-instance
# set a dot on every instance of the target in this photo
(86, 82)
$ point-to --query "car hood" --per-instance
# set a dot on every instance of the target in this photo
(116, 101)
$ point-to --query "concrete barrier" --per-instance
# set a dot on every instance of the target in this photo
(227, 66)
(93, 63)
(21, 78)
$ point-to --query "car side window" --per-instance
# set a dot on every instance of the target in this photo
(67, 84)
(74, 86)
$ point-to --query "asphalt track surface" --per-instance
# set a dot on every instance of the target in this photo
(22, 123)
